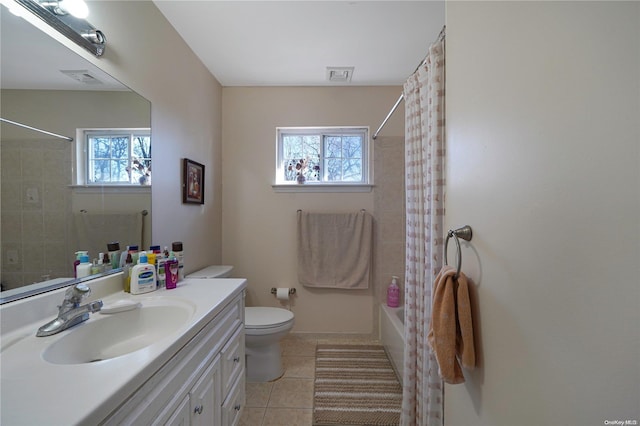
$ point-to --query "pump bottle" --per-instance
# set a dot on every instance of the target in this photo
(143, 276)
(393, 293)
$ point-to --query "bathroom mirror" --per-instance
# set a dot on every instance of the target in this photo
(42, 201)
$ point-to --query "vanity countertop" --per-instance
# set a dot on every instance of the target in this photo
(35, 391)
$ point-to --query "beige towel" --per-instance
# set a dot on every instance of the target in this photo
(334, 249)
(451, 328)
(92, 231)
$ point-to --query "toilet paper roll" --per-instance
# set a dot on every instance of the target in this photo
(282, 293)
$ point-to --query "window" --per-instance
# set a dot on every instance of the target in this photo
(324, 156)
(115, 157)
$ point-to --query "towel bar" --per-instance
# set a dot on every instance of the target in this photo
(465, 233)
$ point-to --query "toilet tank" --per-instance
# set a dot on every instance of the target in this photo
(213, 271)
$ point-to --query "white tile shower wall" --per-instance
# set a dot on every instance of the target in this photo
(35, 205)
(389, 205)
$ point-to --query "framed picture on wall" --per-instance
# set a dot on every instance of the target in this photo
(192, 182)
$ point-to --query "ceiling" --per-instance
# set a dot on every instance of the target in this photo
(291, 43)
(253, 43)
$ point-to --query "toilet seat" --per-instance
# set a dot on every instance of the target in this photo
(260, 318)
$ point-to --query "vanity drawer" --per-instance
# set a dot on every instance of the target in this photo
(233, 360)
(233, 405)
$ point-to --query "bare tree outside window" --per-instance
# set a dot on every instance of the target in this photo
(118, 157)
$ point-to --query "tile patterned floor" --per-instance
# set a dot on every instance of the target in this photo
(289, 399)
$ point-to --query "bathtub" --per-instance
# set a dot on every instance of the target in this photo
(392, 335)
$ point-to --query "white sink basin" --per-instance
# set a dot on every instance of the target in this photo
(109, 336)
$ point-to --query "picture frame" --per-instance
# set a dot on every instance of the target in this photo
(192, 182)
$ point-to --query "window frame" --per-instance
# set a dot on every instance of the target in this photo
(325, 186)
(81, 177)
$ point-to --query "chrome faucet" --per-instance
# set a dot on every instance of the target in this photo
(71, 312)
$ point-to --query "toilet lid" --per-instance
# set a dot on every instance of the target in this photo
(262, 317)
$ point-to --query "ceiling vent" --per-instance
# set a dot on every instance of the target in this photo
(339, 74)
(83, 76)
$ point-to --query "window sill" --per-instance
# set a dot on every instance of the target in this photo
(111, 189)
(311, 187)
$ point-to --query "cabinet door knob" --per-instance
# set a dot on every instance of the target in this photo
(198, 409)
(236, 359)
(237, 407)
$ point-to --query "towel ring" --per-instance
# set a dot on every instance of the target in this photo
(464, 233)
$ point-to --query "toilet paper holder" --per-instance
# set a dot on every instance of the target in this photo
(275, 290)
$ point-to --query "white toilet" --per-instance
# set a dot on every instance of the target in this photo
(264, 327)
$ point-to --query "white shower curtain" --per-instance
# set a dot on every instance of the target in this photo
(422, 402)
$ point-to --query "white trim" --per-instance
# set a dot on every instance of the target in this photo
(322, 187)
(111, 189)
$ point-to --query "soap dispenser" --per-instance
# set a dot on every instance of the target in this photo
(393, 293)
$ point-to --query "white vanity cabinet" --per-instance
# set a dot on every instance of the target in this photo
(203, 384)
(232, 377)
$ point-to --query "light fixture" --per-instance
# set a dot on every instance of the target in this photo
(77, 8)
(67, 17)
(95, 36)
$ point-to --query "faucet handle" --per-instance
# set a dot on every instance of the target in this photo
(77, 292)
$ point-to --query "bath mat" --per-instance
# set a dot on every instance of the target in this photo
(355, 385)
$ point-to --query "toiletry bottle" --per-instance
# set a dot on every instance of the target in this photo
(97, 264)
(393, 293)
(134, 254)
(84, 267)
(176, 247)
(106, 262)
(126, 273)
(123, 257)
(143, 276)
(160, 272)
(77, 262)
(171, 268)
(114, 254)
(151, 260)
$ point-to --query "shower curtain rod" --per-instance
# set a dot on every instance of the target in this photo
(15, 123)
(395, 106)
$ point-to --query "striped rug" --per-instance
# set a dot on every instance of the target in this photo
(355, 385)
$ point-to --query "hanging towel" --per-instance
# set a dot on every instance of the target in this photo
(451, 329)
(92, 231)
(334, 249)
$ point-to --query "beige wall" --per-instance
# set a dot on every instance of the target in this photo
(543, 162)
(259, 223)
(145, 53)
